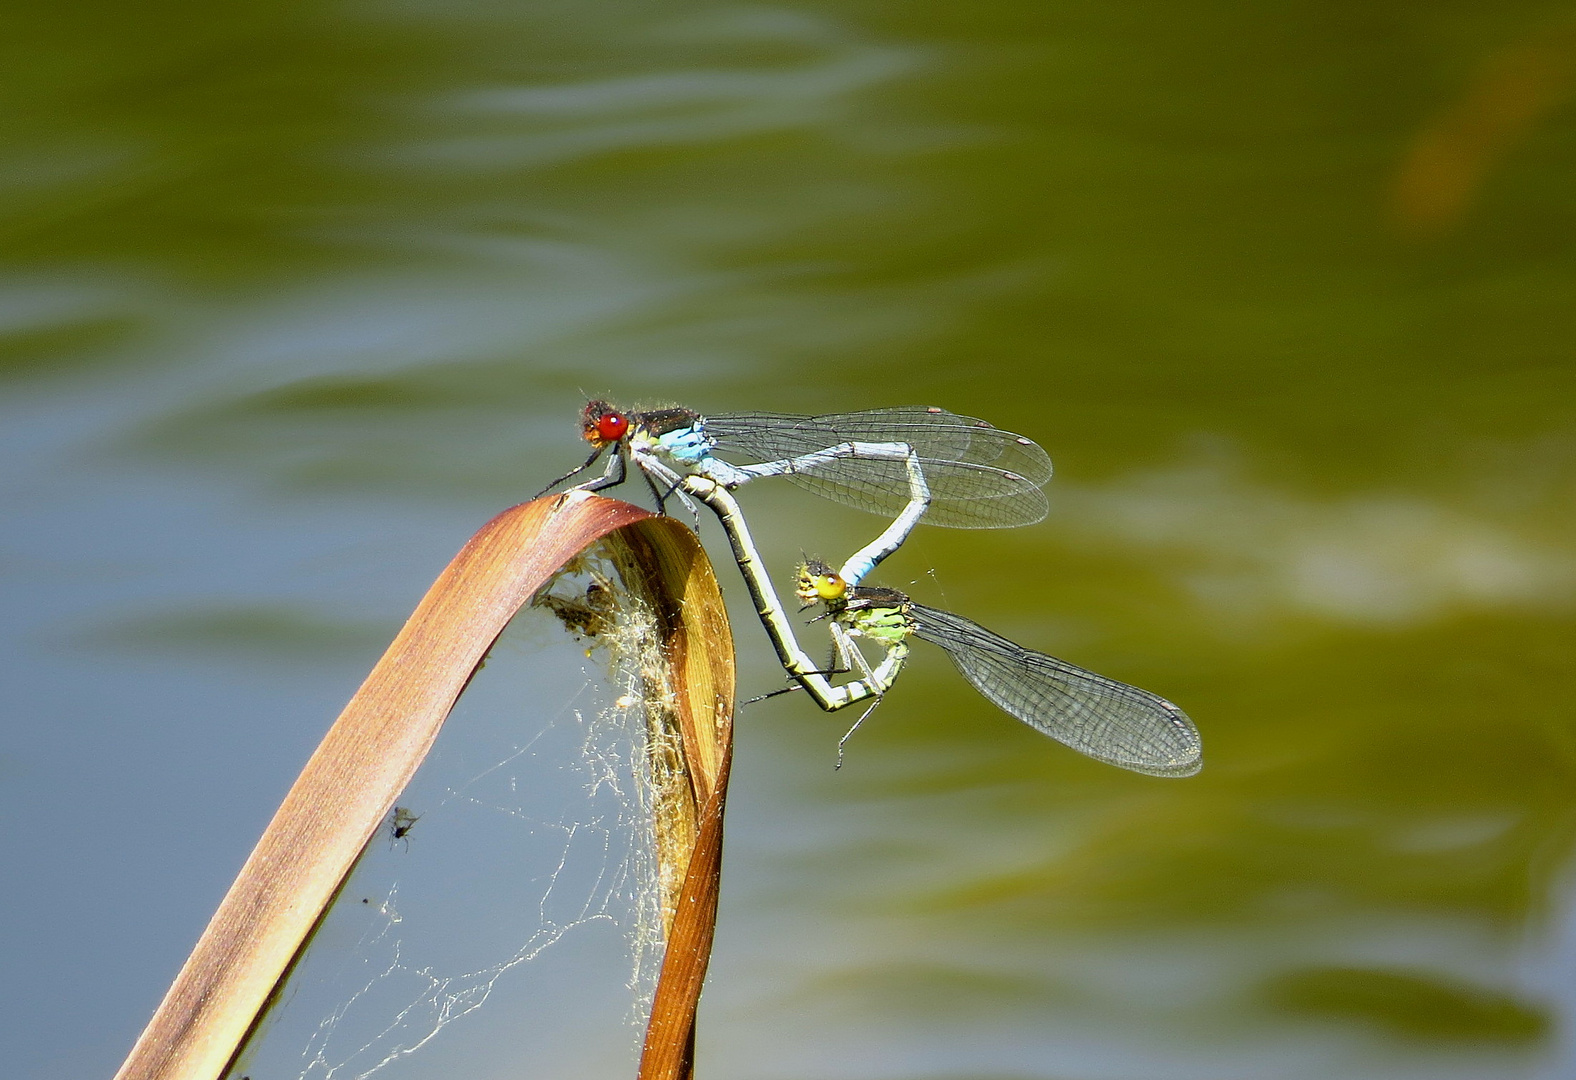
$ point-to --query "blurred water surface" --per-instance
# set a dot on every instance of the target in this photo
(294, 296)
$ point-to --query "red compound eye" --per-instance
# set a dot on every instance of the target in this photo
(612, 426)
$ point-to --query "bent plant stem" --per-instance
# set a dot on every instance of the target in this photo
(352, 781)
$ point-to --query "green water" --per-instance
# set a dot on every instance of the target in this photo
(293, 296)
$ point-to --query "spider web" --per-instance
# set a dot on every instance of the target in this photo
(517, 873)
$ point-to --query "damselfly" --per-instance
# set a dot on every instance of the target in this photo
(1106, 719)
(908, 463)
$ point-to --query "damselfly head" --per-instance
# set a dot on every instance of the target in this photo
(601, 424)
(818, 583)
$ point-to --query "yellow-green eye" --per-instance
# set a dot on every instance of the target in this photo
(829, 587)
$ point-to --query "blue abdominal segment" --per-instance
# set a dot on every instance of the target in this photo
(688, 446)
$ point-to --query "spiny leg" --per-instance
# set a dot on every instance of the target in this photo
(689, 504)
(850, 732)
(846, 645)
(843, 652)
(651, 486)
(848, 652)
(790, 688)
(654, 469)
(577, 469)
(612, 476)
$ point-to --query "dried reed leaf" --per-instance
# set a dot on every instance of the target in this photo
(670, 1036)
(373, 749)
(691, 628)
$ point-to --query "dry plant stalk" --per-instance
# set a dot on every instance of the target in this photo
(688, 712)
(351, 782)
(689, 831)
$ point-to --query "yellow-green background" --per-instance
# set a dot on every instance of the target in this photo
(294, 295)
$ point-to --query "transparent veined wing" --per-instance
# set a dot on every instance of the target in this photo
(980, 477)
(1105, 719)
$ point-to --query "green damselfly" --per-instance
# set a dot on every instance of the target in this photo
(1105, 719)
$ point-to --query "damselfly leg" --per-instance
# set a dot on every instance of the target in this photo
(617, 460)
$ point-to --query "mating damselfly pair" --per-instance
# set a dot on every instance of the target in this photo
(914, 464)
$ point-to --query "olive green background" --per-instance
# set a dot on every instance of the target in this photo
(294, 295)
